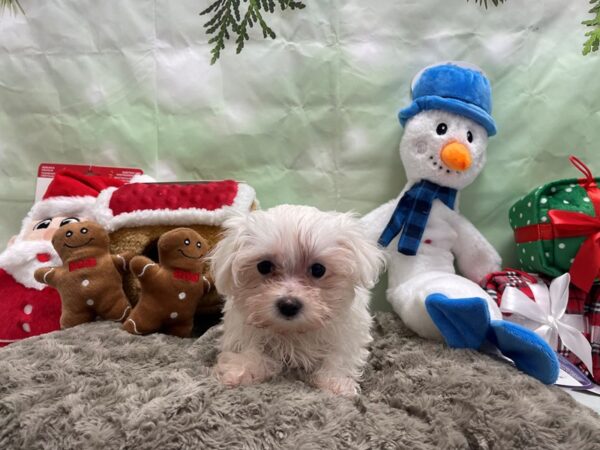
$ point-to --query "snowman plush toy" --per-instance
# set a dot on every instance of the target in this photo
(443, 149)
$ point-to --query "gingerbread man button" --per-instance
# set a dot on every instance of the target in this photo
(90, 279)
(172, 288)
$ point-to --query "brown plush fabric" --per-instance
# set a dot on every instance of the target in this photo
(171, 289)
(96, 386)
(90, 280)
(143, 241)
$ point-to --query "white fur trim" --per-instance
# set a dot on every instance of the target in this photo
(142, 178)
(81, 207)
(180, 217)
(20, 261)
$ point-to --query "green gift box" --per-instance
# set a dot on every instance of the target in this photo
(557, 228)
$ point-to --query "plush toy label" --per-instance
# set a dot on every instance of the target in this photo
(47, 171)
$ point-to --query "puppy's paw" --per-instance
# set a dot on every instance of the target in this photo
(338, 385)
(234, 369)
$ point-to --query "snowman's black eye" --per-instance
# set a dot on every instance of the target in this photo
(441, 129)
(69, 233)
(469, 136)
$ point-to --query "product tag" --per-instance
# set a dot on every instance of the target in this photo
(47, 171)
(571, 376)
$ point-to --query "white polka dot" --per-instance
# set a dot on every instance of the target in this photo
(533, 258)
(521, 260)
(553, 189)
(569, 190)
(89, 302)
(528, 222)
(572, 185)
(173, 315)
(85, 283)
(521, 216)
(524, 251)
(514, 208)
(566, 202)
(27, 309)
(586, 199)
(529, 205)
(561, 246)
(182, 295)
(544, 219)
(571, 260)
(26, 328)
(547, 254)
(543, 200)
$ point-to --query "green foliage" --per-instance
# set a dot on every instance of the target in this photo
(227, 20)
(11, 5)
(593, 42)
(485, 2)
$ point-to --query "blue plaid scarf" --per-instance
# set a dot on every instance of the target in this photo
(411, 215)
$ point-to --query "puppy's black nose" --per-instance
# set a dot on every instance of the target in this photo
(289, 307)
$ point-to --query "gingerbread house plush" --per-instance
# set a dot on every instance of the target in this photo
(137, 214)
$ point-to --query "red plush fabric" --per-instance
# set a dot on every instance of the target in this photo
(74, 184)
(23, 309)
(171, 196)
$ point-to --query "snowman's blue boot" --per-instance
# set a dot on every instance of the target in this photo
(463, 322)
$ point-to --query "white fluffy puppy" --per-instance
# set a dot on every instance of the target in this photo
(296, 282)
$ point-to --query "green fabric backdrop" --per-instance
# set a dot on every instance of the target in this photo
(308, 118)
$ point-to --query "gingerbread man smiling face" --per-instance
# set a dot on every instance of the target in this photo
(172, 288)
(90, 280)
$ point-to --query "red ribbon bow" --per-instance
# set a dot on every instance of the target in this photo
(586, 265)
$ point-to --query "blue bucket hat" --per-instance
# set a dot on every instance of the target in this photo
(454, 88)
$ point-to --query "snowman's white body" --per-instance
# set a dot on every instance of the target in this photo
(448, 236)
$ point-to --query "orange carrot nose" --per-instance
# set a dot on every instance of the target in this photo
(456, 156)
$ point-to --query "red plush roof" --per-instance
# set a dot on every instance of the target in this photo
(173, 196)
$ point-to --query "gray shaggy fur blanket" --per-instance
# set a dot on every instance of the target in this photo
(95, 386)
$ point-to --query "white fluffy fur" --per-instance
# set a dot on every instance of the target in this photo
(20, 260)
(451, 237)
(328, 340)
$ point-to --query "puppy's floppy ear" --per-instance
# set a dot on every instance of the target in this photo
(369, 258)
(224, 253)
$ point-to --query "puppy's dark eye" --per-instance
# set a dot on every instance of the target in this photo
(186, 242)
(84, 231)
(69, 233)
(43, 224)
(441, 129)
(264, 267)
(317, 270)
(68, 220)
(198, 244)
(469, 136)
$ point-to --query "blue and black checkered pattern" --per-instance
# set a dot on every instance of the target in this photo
(411, 215)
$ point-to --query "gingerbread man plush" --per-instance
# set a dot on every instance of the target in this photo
(172, 288)
(90, 279)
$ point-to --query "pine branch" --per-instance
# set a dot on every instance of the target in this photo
(227, 21)
(11, 5)
(593, 42)
(485, 2)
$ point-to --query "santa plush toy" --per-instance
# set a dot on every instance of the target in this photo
(29, 308)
